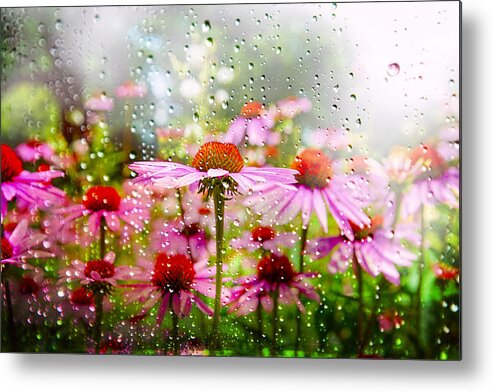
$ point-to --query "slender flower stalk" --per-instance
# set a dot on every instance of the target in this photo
(421, 265)
(361, 315)
(182, 215)
(174, 330)
(303, 238)
(275, 316)
(102, 238)
(9, 310)
(98, 324)
(260, 328)
(219, 211)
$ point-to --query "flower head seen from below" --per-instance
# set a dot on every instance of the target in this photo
(318, 190)
(21, 244)
(176, 283)
(253, 124)
(215, 163)
(373, 248)
(31, 188)
(104, 202)
(275, 276)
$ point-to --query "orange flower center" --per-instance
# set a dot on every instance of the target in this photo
(173, 273)
(315, 168)
(251, 109)
(11, 164)
(262, 233)
(102, 198)
(430, 156)
(7, 250)
(104, 268)
(368, 230)
(217, 155)
(275, 269)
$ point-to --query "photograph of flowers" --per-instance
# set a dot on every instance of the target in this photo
(261, 180)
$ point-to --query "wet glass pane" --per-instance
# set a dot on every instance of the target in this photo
(230, 180)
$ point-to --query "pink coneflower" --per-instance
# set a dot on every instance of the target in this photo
(254, 123)
(317, 190)
(100, 103)
(372, 248)
(98, 274)
(444, 271)
(79, 304)
(215, 161)
(293, 106)
(175, 237)
(33, 150)
(275, 277)
(175, 282)
(264, 237)
(438, 183)
(130, 89)
(29, 187)
(21, 244)
(105, 202)
(217, 170)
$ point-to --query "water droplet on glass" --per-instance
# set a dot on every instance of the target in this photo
(393, 69)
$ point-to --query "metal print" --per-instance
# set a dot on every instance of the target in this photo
(269, 180)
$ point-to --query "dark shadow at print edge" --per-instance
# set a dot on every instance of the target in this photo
(372, 370)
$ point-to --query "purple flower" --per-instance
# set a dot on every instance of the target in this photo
(97, 272)
(214, 161)
(373, 249)
(253, 122)
(275, 276)
(176, 282)
(32, 188)
(99, 103)
(131, 89)
(21, 244)
(176, 238)
(317, 190)
(264, 237)
(104, 202)
(293, 106)
(438, 183)
(32, 150)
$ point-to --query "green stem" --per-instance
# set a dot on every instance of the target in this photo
(299, 326)
(260, 327)
(174, 333)
(102, 239)
(275, 311)
(419, 290)
(219, 212)
(182, 214)
(361, 315)
(98, 302)
(9, 311)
